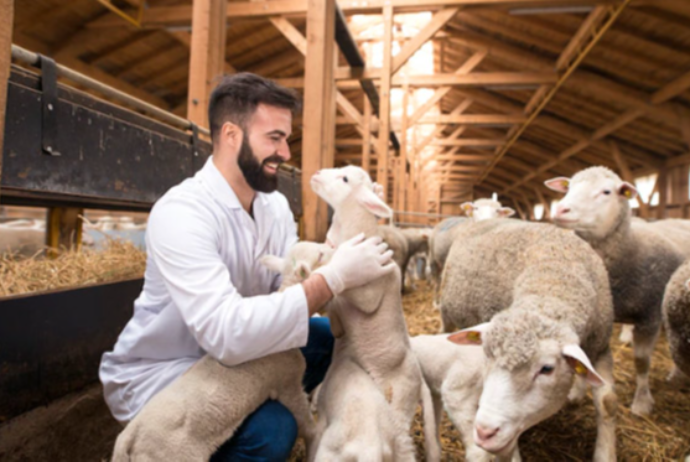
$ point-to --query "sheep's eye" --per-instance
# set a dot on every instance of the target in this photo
(546, 370)
(607, 191)
(345, 179)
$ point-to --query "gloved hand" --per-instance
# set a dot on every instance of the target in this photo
(356, 262)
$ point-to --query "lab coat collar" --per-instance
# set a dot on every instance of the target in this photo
(218, 185)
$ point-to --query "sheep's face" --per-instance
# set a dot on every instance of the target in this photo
(302, 259)
(596, 201)
(486, 209)
(334, 185)
(522, 386)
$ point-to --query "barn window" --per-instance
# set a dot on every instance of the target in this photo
(645, 186)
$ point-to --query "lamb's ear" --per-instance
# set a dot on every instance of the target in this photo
(628, 190)
(560, 184)
(506, 212)
(471, 335)
(372, 202)
(273, 263)
(302, 270)
(468, 208)
(578, 360)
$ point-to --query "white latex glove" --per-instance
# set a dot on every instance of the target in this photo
(356, 262)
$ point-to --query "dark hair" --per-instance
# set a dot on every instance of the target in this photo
(236, 97)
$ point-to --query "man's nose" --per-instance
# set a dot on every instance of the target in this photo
(284, 151)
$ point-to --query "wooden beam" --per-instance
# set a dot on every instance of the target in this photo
(207, 57)
(385, 99)
(319, 104)
(466, 68)
(180, 15)
(437, 22)
(366, 144)
(497, 80)
(6, 19)
(474, 119)
(684, 124)
(469, 142)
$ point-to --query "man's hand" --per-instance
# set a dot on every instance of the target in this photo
(356, 262)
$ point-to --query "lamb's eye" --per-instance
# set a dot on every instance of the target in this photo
(607, 191)
(345, 179)
(546, 370)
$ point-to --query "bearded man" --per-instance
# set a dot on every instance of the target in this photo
(205, 291)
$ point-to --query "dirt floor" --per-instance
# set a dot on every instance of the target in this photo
(79, 427)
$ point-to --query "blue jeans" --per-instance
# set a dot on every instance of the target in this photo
(270, 432)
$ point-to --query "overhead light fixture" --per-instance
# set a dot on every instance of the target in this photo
(551, 10)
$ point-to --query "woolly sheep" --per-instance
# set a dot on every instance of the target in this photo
(368, 321)
(486, 209)
(454, 375)
(541, 299)
(640, 258)
(203, 408)
(676, 313)
(404, 243)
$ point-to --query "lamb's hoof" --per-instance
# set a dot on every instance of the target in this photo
(626, 337)
(643, 403)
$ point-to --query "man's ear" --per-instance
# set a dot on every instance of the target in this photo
(372, 202)
(273, 263)
(471, 335)
(579, 362)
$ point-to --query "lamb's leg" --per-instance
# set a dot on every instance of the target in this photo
(461, 406)
(606, 404)
(431, 424)
(626, 336)
(676, 378)
(578, 390)
(643, 345)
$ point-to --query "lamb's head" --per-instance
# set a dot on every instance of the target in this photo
(302, 259)
(335, 185)
(595, 204)
(531, 361)
(485, 209)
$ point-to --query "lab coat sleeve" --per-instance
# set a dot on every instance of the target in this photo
(291, 238)
(184, 245)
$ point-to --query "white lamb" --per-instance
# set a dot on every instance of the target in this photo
(368, 321)
(203, 408)
(455, 376)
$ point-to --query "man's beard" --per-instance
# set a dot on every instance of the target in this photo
(253, 170)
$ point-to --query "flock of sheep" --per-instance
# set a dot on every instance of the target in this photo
(527, 312)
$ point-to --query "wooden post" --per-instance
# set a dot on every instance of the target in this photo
(544, 203)
(366, 144)
(385, 100)
(207, 56)
(318, 140)
(627, 175)
(402, 162)
(662, 182)
(6, 19)
(64, 229)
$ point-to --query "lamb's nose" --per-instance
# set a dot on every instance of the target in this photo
(562, 210)
(485, 433)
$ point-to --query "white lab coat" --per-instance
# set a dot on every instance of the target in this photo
(205, 291)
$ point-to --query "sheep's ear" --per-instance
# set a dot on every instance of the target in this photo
(560, 184)
(470, 336)
(627, 190)
(506, 212)
(302, 270)
(372, 202)
(273, 263)
(579, 362)
(468, 208)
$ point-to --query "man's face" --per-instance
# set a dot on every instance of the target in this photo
(264, 147)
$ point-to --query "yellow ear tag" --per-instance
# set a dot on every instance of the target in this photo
(580, 368)
(628, 193)
(565, 183)
(474, 337)
(303, 273)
